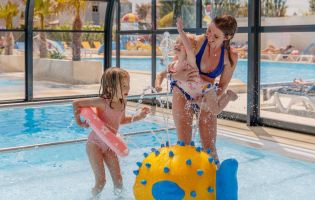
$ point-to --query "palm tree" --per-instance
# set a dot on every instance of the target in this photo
(142, 12)
(312, 6)
(42, 9)
(76, 6)
(223, 7)
(7, 12)
(274, 8)
(178, 8)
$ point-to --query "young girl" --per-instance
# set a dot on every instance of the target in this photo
(110, 108)
(197, 88)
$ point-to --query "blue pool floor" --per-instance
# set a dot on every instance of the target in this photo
(63, 172)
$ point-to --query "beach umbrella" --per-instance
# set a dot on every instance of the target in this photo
(130, 17)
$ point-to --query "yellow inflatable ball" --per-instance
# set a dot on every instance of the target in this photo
(176, 172)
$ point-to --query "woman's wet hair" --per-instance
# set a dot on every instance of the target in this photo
(109, 81)
(228, 25)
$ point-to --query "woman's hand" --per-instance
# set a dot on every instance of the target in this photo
(158, 88)
(187, 75)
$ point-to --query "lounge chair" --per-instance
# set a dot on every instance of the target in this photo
(304, 56)
(87, 48)
(273, 53)
(306, 98)
(56, 46)
(20, 46)
(308, 103)
(97, 44)
(100, 50)
(242, 50)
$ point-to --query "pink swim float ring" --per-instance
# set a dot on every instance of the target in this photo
(114, 142)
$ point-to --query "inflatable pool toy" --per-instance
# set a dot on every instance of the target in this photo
(184, 172)
(113, 141)
(227, 187)
(176, 172)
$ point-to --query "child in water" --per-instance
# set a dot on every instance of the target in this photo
(110, 108)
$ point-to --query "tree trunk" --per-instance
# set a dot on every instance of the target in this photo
(9, 42)
(43, 50)
(177, 11)
(76, 39)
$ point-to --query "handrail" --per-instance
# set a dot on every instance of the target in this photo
(33, 146)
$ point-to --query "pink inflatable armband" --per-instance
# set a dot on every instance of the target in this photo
(113, 141)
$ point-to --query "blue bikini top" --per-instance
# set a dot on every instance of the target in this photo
(218, 70)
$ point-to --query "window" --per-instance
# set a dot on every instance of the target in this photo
(94, 8)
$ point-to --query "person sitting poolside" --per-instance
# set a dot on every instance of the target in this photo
(301, 82)
(241, 50)
(273, 50)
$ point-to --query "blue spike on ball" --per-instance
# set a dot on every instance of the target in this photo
(182, 143)
(153, 149)
(148, 165)
(211, 159)
(217, 162)
(171, 154)
(199, 172)
(143, 182)
(198, 149)
(166, 169)
(162, 145)
(145, 155)
(188, 162)
(208, 151)
(139, 164)
(192, 143)
(167, 144)
(193, 194)
(136, 172)
(178, 142)
(210, 189)
(157, 152)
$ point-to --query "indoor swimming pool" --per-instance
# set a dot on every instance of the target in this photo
(271, 72)
(64, 172)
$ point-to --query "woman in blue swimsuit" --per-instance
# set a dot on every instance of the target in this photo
(214, 59)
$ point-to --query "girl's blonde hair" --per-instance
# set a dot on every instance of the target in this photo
(110, 79)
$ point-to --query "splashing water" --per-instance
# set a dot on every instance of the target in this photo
(158, 98)
(166, 45)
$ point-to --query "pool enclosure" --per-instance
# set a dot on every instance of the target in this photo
(57, 49)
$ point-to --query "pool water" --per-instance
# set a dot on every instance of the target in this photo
(7, 82)
(27, 126)
(271, 72)
(63, 171)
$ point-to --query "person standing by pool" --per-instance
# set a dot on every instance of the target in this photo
(110, 108)
(214, 59)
